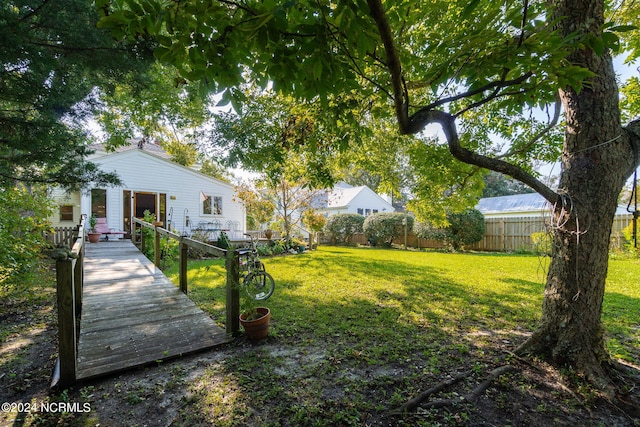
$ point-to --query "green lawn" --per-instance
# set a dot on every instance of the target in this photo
(353, 322)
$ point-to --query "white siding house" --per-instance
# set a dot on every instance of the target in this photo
(362, 200)
(182, 198)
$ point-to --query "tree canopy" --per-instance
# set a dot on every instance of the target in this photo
(496, 77)
(53, 62)
(497, 66)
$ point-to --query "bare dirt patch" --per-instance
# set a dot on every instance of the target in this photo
(204, 389)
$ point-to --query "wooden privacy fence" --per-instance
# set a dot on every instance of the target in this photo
(504, 234)
(514, 233)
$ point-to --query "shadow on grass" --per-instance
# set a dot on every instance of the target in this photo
(356, 332)
(353, 335)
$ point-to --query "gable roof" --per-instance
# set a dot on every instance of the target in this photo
(115, 156)
(342, 195)
(133, 144)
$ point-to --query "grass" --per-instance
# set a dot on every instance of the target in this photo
(355, 332)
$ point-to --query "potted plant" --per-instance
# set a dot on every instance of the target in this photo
(93, 236)
(253, 318)
(255, 322)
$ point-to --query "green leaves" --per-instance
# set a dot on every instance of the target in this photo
(21, 235)
(54, 62)
(489, 64)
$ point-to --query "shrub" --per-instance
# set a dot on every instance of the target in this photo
(382, 228)
(341, 227)
(629, 246)
(541, 242)
(278, 247)
(264, 250)
(464, 228)
(428, 231)
(23, 225)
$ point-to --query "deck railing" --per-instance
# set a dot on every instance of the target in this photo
(69, 278)
(62, 236)
(231, 264)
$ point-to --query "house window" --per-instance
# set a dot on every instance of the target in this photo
(211, 205)
(361, 211)
(375, 211)
(367, 212)
(66, 213)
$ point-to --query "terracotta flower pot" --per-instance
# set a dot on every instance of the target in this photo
(257, 329)
(94, 237)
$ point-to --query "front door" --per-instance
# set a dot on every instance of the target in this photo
(143, 202)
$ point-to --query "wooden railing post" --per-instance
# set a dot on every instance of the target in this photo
(143, 241)
(156, 246)
(134, 232)
(233, 293)
(78, 281)
(67, 350)
(184, 252)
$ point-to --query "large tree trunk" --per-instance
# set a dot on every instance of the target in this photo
(598, 156)
(597, 159)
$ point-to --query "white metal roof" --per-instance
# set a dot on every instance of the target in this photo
(530, 202)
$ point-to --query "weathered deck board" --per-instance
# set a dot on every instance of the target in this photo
(132, 314)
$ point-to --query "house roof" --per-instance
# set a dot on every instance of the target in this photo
(530, 202)
(113, 156)
(521, 203)
(133, 144)
(342, 195)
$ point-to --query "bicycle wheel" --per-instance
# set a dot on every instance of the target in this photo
(259, 285)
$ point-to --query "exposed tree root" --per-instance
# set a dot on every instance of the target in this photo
(469, 397)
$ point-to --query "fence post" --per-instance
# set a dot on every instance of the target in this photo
(66, 321)
(184, 252)
(233, 293)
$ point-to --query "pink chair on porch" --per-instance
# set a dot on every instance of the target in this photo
(103, 228)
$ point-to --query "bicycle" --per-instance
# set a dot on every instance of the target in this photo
(256, 282)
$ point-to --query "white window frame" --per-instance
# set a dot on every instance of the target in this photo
(216, 205)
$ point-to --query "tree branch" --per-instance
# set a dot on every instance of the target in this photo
(497, 85)
(447, 121)
(400, 95)
(416, 122)
(552, 123)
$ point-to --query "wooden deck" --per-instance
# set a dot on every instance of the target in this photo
(133, 315)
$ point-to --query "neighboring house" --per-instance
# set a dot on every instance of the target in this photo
(182, 198)
(530, 204)
(523, 205)
(511, 220)
(344, 198)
